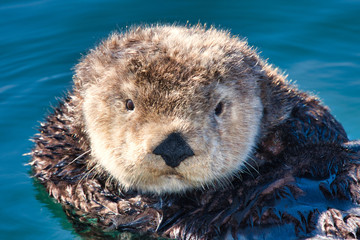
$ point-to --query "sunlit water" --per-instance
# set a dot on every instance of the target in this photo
(316, 42)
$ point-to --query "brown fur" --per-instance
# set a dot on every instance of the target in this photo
(176, 77)
(96, 149)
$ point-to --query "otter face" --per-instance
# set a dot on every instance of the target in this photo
(166, 113)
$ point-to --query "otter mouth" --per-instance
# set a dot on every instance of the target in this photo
(174, 175)
(167, 172)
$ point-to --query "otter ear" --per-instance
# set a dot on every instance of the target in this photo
(278, 98)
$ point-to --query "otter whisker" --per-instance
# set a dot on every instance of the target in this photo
(87, 174)
(237, 174)
(78, 157)
(250, 157)
(252, 167)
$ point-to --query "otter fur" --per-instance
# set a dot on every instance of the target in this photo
(186, 133)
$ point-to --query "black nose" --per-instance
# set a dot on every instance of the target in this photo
(173, 150)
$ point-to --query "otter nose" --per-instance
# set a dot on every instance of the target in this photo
(173, 150)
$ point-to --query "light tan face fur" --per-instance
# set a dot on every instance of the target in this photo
(175, 77)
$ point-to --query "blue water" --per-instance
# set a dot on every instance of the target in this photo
(317, 43)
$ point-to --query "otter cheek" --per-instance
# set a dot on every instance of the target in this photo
(98, 123)
(96, 120)
(239, 134)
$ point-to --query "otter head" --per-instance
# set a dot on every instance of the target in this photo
(168, 109)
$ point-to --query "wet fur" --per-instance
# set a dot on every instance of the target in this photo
(287, 138)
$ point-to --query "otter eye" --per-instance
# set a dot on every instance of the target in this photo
(130, 105)
(219, 108)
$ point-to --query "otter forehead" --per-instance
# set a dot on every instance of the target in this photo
(169, 57)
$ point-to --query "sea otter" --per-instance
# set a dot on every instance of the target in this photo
(185, 132)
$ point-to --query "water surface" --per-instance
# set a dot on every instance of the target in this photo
(315, 42)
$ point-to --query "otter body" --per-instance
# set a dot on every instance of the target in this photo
(186, 133)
